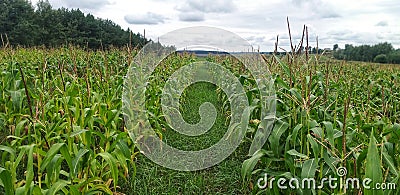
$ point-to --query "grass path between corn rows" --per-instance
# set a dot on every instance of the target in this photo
(223, 178)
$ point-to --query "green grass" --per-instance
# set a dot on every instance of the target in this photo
(193, 97)
(223, 178)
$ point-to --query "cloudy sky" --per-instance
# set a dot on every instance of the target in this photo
(257, 21)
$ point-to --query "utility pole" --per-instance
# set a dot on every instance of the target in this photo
(144, 36)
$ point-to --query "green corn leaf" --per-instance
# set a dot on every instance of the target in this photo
(11, 151)
(309, 168)
(19, 158)
(99, 189)
(36, 191)
(279, 129)
(293, 152)
(112, 163)
(29, 168)
(249, 164)
(373, 169)
(21, 191)
(124, 148)
(314, 146)
(389, 160)
(281, 83)
(308, 173)
(65, 153)
(329, 132)
(54, 167)
(122, 162)
(20, 126)
(77, 131)
(73, 189)
(55, 188)
(284, 66)
(6, 181)
(329, 160)
(295, 132)
(75, 161)
(295, 93)
(361, 158)
(318, 132)
(50, 154)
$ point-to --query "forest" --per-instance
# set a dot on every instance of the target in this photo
(27, 25)
(379, 53)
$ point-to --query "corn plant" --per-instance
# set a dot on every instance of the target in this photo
(62, 129)
(330, 115)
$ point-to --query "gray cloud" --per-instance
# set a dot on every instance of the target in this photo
(256, 40)
(148, 18)
(330, 15)
(344, 35)
(359, 38)
(317, 8)
(191, 16)
(338, 33)
(195, 10)
(382, 23)
(208, 6)
(86, 4)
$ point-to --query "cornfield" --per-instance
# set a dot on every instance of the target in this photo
(62, 130)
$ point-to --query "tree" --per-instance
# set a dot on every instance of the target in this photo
(381, 58)
(383, 48)
(394, 57)
(17, 22)
(335, 47)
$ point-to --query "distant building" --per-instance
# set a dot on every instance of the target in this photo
(327, 50)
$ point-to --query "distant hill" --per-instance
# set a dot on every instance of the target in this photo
(203, 53)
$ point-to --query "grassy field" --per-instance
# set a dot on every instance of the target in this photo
(62, 130)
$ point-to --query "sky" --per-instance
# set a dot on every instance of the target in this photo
(257, 21)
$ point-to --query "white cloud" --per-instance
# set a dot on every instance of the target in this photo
(148, 18)
(191, 16)
(382, 23)
(316, 8)
(86, 4)
(208, 6)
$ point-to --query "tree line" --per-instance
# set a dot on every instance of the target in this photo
(380, 53)
(22, 23)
